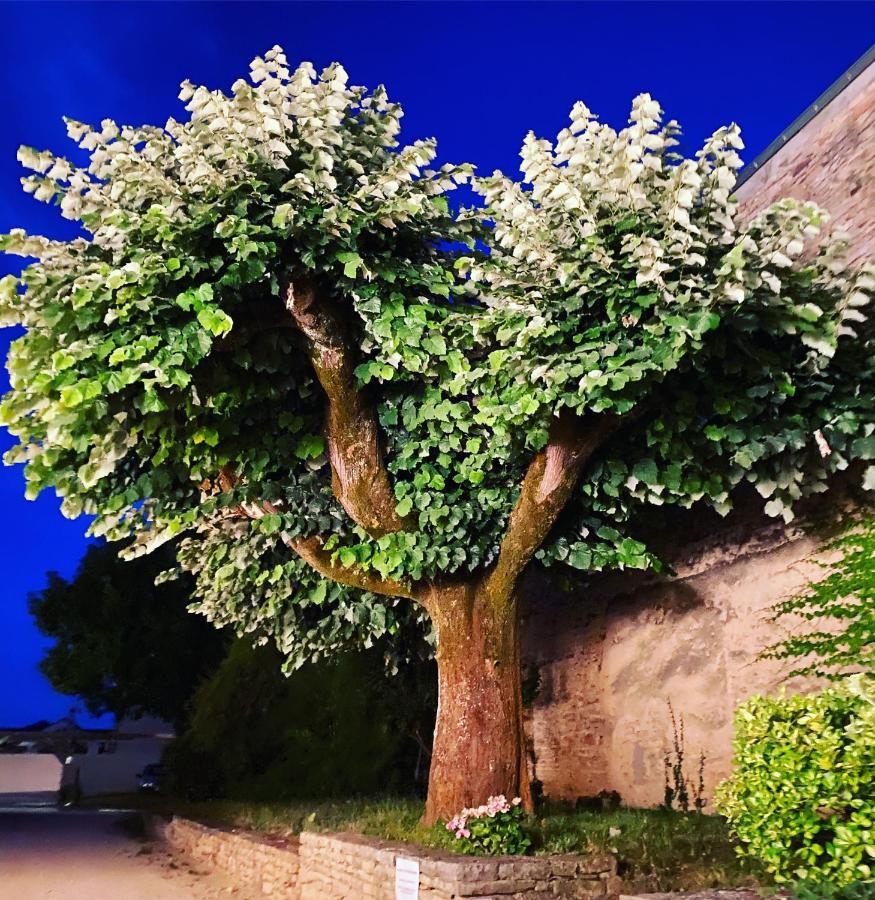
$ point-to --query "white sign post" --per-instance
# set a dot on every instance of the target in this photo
(406, 879)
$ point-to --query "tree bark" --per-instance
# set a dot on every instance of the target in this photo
(545, 491)
(359, 477)
(479, 743)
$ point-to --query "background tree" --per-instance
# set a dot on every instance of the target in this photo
(123, 644)
(278, 338)
(333, 728)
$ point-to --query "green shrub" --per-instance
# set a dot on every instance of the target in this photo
(802, 797)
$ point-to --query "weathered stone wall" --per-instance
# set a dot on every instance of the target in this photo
(347, 866)
(262, 867)
(354, 867)
(610, 660)
(830, 161)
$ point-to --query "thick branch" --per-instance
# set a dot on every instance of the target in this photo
(359, 477)
(546, 489)
(311, 550)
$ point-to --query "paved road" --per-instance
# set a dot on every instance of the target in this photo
(79, 855)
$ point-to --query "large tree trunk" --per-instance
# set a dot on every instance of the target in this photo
(479, 745)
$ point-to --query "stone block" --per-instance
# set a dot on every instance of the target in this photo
(505, 887)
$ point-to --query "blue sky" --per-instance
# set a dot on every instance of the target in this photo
(477, 76)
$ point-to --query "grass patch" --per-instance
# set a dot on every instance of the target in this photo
(657, 850)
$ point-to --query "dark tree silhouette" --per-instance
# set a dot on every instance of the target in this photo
(124, 644)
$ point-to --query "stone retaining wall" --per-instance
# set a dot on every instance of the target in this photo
(261, 866)
(355, 867)
(347, 866)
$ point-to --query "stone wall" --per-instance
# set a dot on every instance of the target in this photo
(611, 658)
(354, 867)
(830, 161)
(261, 866)
(346, 866)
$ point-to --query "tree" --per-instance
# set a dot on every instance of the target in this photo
(333, 728)
(361, 406)
(123, 644)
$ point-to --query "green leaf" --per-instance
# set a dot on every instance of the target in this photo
(347, 557)
(864, 448)
(646, 472)
(71, 396)
(352, 262)
(580, 558)
(270, 524)
(310, 446)
(319, 593)
(281, 215)
(215, 320)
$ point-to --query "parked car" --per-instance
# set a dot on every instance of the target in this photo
(152, 777)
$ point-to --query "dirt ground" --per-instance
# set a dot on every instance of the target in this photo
(78, 855)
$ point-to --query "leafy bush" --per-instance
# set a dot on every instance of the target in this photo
(802, 797)
(812, 890)
(496, 828)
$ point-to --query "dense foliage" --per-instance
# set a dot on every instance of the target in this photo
(331, 729)
(123, 644)
(802, 796)
(840, 608)
(620, 286)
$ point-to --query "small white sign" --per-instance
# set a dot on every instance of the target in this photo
(406, 879)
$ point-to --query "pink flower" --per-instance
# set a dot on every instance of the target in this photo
(495, 805)
(491, 808)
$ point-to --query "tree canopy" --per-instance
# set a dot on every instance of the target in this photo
(157, 353)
